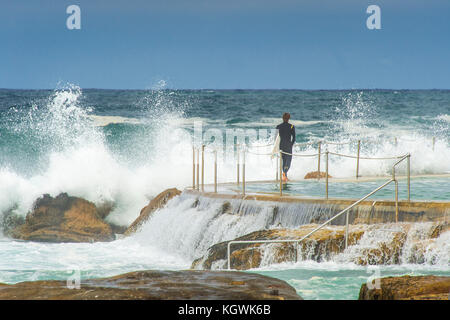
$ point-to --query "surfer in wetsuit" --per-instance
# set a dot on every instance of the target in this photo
(287, 140)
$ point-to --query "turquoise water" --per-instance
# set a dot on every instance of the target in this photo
(314, 281)
(427, 188)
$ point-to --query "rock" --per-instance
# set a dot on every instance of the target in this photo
(385, 252)
(63, 219)
(158, 285)
(319, 247)
(439, 229)
(156, 203)
(379, 244)
(315, 175)
(408, 288)
(396, 243)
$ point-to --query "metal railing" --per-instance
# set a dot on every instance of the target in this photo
(241, 157)
(196, 186)
(346, 211)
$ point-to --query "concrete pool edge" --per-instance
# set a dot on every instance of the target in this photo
(368, 211)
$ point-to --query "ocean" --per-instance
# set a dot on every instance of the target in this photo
(126, 146)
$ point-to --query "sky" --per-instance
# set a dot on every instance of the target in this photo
(233, 44)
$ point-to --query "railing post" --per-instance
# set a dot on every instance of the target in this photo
(193, 167)
(393, 173)
(276, 173)
(238, 164)
(346, 229)
(318, 159)
(215, 171)
(396, 201)
(357, 159)
(203, 168)
(198, 169)
(408, 172)
(326, 175)
(281, 175)
(228, 256)
(243, 172)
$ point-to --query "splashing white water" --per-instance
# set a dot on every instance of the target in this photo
(188, 226)
(77, 159)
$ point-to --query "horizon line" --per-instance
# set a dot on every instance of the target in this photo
(235, 89)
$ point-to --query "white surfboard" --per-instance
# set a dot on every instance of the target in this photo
(276, 147)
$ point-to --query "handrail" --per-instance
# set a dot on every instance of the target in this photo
(196, 184)
(324, 142)
(243, 148)
(393, 179)
(310, 233)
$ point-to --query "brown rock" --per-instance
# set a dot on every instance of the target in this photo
(63, 219)
(386, 252)
(316, 175)
(158, 285)
(319, 247)
(408, 288)
(156, 203)
(439, 229)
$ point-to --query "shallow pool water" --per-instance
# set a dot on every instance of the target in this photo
(424, 188)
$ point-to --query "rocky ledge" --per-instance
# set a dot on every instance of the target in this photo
(158, 285)
(408, 288)
(319, 246)
(156, 203)
(64, 219)
(392, 241)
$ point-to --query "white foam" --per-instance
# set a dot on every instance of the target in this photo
(81, 164)
(102, 121)
(444, 117)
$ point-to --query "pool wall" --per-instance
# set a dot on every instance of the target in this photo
(367, 212)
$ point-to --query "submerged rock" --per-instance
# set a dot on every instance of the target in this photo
(408, 288)
(316, 175)
(156, 203)
(63, 219)
(319, 246)
(158, 285)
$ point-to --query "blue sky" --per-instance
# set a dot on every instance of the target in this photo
(254, 44)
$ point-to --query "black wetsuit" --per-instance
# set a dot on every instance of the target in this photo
(287, 139)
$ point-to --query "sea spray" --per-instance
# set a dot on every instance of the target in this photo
(50, 144)
(69, 153)
(188, 226)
